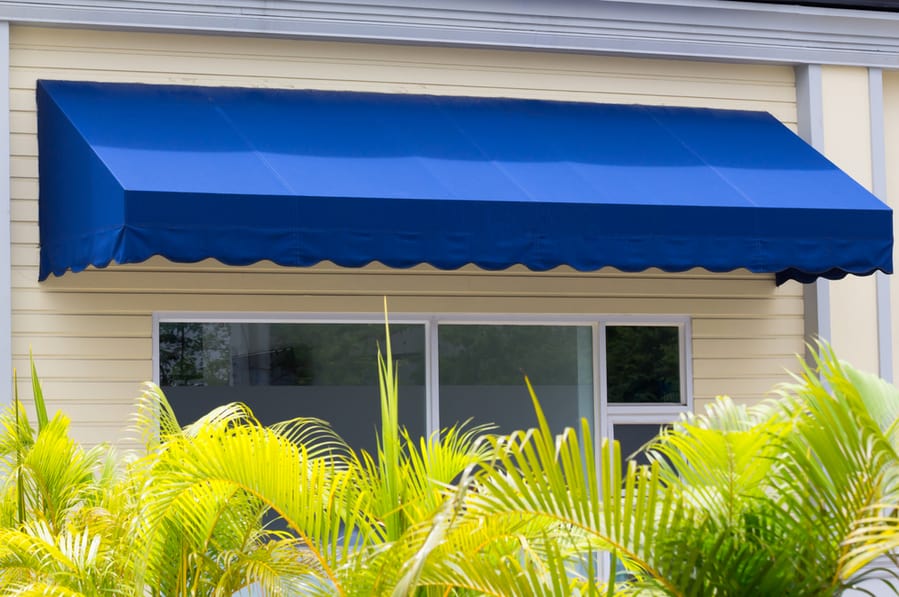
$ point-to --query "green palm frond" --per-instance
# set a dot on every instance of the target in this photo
(16, 435)
(16, 439)
(556, 480)
(515, 574)
(228, 462)
(58, 471)
(875, 535)
(413, 487)
(40, 406)
(489, 543)
(317, 436)
(50, 473)
(154, 421)
(836, 460)
(276, 567)
(45, 590)
(71, 561)
(768, 499)
(728, 445)
(389, 461)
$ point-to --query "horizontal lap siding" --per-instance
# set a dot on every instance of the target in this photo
(92, 332)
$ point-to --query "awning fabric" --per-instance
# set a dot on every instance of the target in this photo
(129, 171)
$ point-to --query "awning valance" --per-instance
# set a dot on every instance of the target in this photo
(129, 171)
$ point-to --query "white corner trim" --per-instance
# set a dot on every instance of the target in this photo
(809, 105)
(709, 29)
(5, 240)
(879, 188)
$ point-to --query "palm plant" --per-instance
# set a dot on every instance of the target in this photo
(791, 497)
(352, 521)
(56, 536)
(194, 514)
(202, 495)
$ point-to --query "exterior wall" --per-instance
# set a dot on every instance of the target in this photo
(92, 332)
(847, 142)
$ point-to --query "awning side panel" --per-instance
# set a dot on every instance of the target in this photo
(82, 205)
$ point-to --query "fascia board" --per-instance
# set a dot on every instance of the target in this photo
(705, 29)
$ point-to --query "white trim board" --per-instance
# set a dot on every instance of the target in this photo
(5, 245)
(704, 29)
(809, 105)
(879, 188)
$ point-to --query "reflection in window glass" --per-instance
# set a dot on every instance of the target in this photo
(328, 371)
(482, 370)
(643, 364)
(634, 436)
(286, 370)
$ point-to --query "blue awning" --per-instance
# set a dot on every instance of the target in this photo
(129, 171)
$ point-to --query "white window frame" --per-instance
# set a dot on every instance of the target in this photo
(605, 415)
(647, 414)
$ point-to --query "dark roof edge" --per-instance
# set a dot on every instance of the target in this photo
(880, 5)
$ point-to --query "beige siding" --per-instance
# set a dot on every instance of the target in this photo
(92, 332)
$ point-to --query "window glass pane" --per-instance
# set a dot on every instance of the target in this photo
(283, 370)
(632, 437)
(482, 370)
(643, 364)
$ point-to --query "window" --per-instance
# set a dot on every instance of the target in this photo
(646, 369)
(630, 375)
